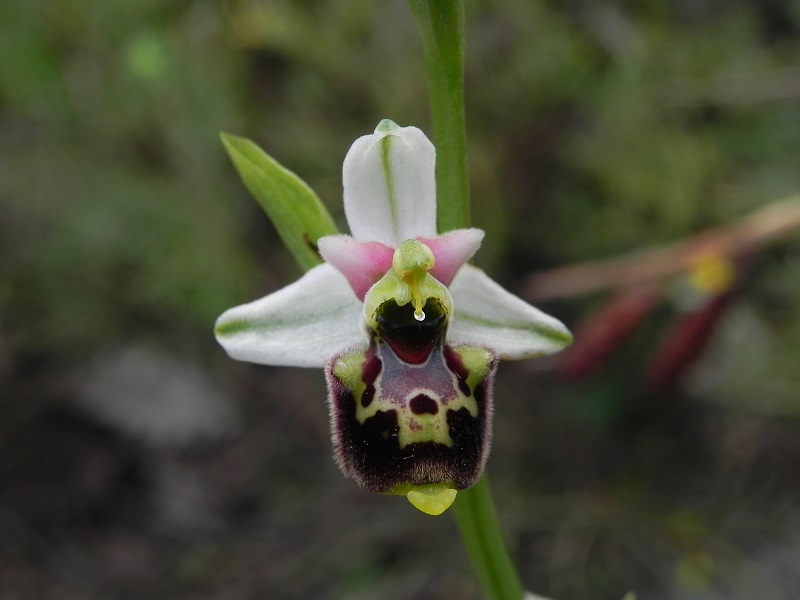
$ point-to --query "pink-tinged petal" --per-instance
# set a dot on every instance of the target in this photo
(488, 316)
(452, 250)
(301, 325)
(362, 263)
(390, 185)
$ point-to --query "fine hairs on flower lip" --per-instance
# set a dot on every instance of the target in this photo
(410, 406)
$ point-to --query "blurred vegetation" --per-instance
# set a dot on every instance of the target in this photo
(596, 129)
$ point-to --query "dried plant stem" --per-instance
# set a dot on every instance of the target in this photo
(766, 226)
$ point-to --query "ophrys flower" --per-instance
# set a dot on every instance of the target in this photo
(408, 333)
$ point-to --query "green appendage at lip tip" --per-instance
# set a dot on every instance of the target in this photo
(432, 499)
(432, 502)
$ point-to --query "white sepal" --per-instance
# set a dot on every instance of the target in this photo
(488, 316)
(390, 185)
(301, 325)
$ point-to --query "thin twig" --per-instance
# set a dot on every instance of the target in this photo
(766, 226)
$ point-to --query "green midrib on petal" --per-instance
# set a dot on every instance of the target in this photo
(386, 163)
(236, 326)
(233, 327)
(562, 337)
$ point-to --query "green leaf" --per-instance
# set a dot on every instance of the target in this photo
(294, 209)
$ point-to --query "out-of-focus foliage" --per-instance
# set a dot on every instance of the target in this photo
(113, 183)
(596, 128)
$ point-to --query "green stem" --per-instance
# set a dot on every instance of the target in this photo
(441, 24)
(481, 535)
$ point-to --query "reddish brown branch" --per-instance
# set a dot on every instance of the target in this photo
(768, 225)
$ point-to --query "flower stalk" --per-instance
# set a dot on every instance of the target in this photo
(441, 25)
(483, 540)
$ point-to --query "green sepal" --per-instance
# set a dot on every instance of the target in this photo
(294, 209)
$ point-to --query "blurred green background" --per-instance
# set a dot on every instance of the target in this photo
(137, 460)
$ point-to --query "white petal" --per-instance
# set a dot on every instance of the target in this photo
(301, 325)
(532, 596)
(390, 185)
(487, 315)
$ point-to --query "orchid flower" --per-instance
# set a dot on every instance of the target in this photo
(409, 334)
